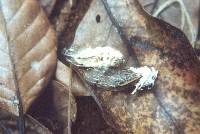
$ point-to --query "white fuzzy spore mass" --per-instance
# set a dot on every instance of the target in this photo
(99, 57)
(148, 77)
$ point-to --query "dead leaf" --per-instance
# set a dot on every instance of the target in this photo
(8, 125)
(172, 15)
(66, 19)
(173, 105)
(60, 100)
(53, 110)
(27, 52)
(62, 75)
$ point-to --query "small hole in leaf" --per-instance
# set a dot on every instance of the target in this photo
(98, 18)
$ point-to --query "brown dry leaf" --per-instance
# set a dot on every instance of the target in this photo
(27, 53)
(66, 19)
(60, 99)
(172, 14)
(173, 105)
(62, 75)
(53, 110)
(8, 125)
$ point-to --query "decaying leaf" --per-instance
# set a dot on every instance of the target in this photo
(53, 110)
(62, 75)
(27, 53)
(173, 105)
(8, 125)
(60, 99)
(180, 13)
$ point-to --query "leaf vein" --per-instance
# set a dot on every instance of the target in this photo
(40, 61)
(18, 10)
(33, 46)
(29, 26)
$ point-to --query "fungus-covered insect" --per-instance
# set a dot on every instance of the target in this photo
(99, 57)
(102, 68)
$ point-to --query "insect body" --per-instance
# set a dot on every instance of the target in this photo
(101, 67)
(99, 57)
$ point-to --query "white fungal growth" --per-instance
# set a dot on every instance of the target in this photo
(35, 65)
(149, 75)
(99, 57)
(15, 100)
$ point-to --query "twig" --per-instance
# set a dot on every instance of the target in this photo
(184, 15)
(69, 101)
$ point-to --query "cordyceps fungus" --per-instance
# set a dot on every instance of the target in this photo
(104, 69)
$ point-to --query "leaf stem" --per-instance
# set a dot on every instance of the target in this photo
(16, 100)
(69, 100)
